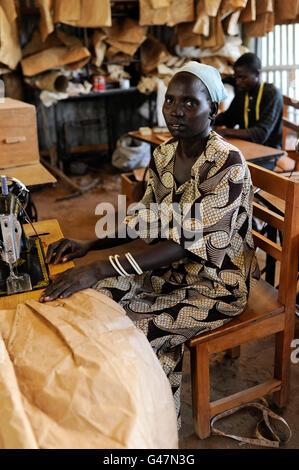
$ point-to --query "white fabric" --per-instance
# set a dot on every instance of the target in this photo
(209, 76)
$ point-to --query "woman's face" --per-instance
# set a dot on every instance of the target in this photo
(187, 107)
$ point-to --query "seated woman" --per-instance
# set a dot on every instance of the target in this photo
(194, 273)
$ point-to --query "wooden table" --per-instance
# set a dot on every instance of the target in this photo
(30, 175)
(252, 152)
(49, 231)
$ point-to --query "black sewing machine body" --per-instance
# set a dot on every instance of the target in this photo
(22, 259)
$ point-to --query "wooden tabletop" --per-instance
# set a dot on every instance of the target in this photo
(30, 175)
(49, 231)
(251, 151)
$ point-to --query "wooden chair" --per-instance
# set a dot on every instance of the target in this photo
(290, 127)
(269, 311)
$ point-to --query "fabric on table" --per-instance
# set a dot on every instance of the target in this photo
(210, 286)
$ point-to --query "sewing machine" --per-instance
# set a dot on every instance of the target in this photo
(22, 259)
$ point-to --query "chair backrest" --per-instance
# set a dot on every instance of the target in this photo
(288, 191)
(288, 126)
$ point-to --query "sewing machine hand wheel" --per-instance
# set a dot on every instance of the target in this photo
(17, 188)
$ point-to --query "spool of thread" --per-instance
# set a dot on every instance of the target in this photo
(4, 187)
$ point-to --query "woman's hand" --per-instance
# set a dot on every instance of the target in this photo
(65, 250)
(221, 131)
(72, 281)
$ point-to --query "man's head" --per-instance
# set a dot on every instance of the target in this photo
(247, 71)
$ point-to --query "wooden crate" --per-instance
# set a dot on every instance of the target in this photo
(18, 134)
(132, 188)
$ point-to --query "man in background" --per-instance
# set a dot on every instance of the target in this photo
(256, 108)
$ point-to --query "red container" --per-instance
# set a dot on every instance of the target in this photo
(99, 83)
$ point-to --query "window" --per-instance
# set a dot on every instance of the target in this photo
(280, 60)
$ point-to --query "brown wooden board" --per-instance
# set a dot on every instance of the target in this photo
(30, 175)
(18, 134)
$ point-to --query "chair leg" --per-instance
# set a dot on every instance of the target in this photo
(200, 379)
(282, 367)
(234, 353)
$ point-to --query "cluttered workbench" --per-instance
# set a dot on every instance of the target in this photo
(111, 98)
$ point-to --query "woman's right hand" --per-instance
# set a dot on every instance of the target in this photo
(66, 249)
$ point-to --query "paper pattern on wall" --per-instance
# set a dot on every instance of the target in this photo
(178, 11)
(53, 58)
(83, 13)
(10, 51)
(249, 12)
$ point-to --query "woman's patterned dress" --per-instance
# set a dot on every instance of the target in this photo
(210, 286)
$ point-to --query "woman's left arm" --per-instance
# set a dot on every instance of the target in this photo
(150, 257)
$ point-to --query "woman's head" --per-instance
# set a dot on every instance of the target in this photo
(191, 100)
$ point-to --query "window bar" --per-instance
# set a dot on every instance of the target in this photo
(294, 62)
(287, 53)
(268, 55)
(274, 46)
(281, 59)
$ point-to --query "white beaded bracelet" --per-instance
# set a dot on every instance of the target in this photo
(115, 267)
(133, 263)
(120, 266)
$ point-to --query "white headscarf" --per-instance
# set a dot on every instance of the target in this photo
(209, 76)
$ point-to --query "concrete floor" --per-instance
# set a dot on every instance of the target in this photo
(77, 220)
